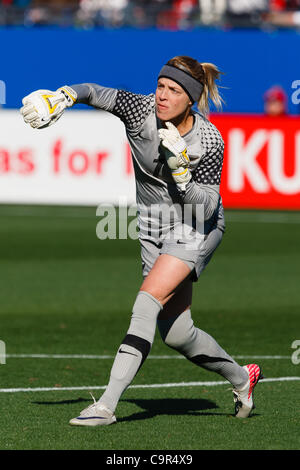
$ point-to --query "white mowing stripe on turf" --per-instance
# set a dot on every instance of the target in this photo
(231, 216)
(94, 356)
(48, 215)
(264, 218)
(166, 385)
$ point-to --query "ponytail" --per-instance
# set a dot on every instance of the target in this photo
(211, 89)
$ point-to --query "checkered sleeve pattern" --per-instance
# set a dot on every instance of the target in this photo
(133, 109)
(209, 168)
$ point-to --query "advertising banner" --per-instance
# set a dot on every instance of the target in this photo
(84, 159)
(261, 161)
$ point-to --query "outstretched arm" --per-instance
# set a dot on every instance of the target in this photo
(131, 108)
(95, 95)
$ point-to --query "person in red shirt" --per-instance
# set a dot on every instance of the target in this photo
(275, 102)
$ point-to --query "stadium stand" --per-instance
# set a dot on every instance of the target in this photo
(161, 14)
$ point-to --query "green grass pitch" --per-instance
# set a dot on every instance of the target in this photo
(66, 293)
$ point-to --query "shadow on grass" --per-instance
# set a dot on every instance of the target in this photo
(172, 406)
(63, 402)
(176, 407)
(154, 407)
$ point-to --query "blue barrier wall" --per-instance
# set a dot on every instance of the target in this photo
(253, 60)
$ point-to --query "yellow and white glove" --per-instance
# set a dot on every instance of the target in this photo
(44, 107)
(176, 155)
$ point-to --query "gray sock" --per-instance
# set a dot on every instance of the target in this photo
(200, 348)
(134, 348)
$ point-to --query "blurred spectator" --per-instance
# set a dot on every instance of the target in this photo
(212, 11)
(22, 3)
(246, 7)
(246, 12)
(183, 9)
(275, 102)
(177, 15)
(286, 14)
(277, 5)
(157, 13)
(50, 12)
(102, 12)
(12, 11)
(163, 14)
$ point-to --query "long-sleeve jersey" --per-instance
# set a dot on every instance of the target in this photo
(154, 182)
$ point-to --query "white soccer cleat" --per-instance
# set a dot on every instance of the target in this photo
(96, 414)
(243, 398)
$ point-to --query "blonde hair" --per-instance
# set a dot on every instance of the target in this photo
(207, 74)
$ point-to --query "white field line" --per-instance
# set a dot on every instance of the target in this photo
(165, 385)
(95, 356)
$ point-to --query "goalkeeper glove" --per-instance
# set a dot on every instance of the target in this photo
(44, 107)
(176, 155)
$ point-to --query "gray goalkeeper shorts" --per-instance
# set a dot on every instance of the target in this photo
(195, 251)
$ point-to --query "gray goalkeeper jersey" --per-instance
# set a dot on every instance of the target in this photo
(154, 183)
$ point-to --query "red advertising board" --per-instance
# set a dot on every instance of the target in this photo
(261, 161)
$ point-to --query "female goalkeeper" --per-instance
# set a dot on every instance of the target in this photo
(177, 155)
